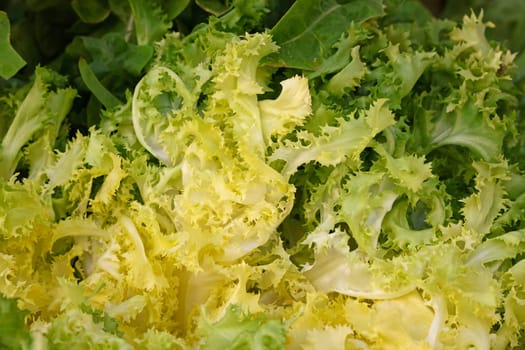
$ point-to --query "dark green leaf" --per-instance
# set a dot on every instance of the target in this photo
(121, 9)
(111, 54)
(215, 7)
(308, 31)
(94, 11)
(40, 5)
(90, 79)
(175, 7)
(403, 11)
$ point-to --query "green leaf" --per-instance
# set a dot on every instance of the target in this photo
(121, 9)
(348, 77)
(236, 330)
(336, 144)
(10, 61)
(151, 21)
(21, 208)
(308, 31)
(215, 7)
(175, 7)
(40, 5)
(101, 93)
(482, 207)
(93, 11)
(469, 128)
(13, 332)
(75, 329)
(111, 54)
(160, 340)
(44, 108)
(110, 325)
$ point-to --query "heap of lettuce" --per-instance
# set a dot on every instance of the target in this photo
(350, 178)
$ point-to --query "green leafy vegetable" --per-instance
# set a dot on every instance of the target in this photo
(39, 115)
(308, 31)
(78, 329)
(92, 11)
(13, 331)
(11, 62)
(260, 175)
(150, 20)
(237, 331)
(103, 95)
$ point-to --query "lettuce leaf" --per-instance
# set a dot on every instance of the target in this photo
(39, 116)
(199, 180)
(11, 61)
(13, 331)
(237, 331)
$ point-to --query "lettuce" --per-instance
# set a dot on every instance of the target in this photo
(240, 185)
(237, 331)
(12, 61)
(13, 334)
(38, 119)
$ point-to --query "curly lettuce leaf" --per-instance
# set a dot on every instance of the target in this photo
(253, 198)
(389, 324)
(288, 111)
(217, 209)
(336, 269)
(42, 111)
(236, 330)
(22, 209)
(160, 340)
(468, 128)
(510, 334)
(238, 79)
(329, 336)
(482, 207)
(335, 144)
(79, 329)
(159, 98)
(349, 76)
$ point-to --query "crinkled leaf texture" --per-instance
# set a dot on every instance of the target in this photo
(371, 204)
